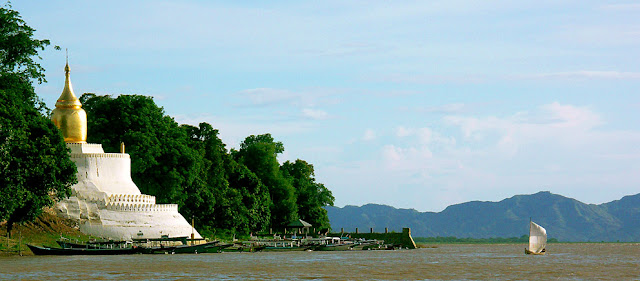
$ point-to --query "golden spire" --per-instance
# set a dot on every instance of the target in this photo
(68, 99)
(68, 115)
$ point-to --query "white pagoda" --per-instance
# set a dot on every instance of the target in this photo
(105, 201)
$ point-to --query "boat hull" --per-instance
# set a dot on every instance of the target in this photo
(283, 249)
(211, 247)
(335, 247)
(37, 250)
(527, 252)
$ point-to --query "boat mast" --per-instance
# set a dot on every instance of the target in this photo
(529, 232)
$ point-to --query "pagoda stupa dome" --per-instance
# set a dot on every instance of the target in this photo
(68, 115)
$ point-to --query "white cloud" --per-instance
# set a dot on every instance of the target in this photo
(626, 7)
(601, 34)
(551, 120)
(369, 135)
(315, 114)
(434, 78)
(267, 96)
(403, 132)
(569, 116)
(410, 158)
(447, 108)
(586, 75)
(424, 135)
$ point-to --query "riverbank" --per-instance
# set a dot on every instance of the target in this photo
(45, 230)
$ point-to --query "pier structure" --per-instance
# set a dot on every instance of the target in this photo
(403, 238)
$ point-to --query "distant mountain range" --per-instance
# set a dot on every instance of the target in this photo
(565, 219)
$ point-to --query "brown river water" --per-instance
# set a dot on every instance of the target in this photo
(591, 261)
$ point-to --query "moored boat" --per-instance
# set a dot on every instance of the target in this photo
(210, 247)
(284, 248)
(95, 245)
(243, 247)
(38, 250)
(335, 247)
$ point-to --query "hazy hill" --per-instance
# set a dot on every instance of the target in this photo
(564, 218)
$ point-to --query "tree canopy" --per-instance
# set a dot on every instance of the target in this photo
(35, 169)
(18, 47)
(259, 154)
(311, 196)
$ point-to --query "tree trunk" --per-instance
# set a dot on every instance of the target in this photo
(9, 226)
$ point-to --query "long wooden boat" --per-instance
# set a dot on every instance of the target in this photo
(335, 247)
(210, 247)
(95, 245)
(285, 248)
(215, 248)
(37, 250)
(65, 244)
(158, 250)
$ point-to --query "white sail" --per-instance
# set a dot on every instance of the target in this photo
(537, 238)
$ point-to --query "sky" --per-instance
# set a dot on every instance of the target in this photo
(412, 104)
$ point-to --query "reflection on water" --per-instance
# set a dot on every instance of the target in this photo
(446, 262)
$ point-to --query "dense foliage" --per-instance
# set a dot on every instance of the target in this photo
(35, 169)
(259, 154)
(311, 197)
(239, 191)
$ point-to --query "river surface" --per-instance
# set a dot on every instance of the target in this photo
(444, 262)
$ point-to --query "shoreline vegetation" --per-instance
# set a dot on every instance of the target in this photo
(46, 229)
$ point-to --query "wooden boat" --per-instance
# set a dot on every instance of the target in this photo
(284, 249)
(278, 245)
(210, 247)
(95, 245)
(158, 250)
(215, 248)
(161, 240)
(335, 247)
(64, 244)
(243, 248)
(537, 240)
(37, 250)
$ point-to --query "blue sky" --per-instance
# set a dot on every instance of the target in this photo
(414, 104)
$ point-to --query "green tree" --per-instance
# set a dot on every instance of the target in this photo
(209, 197)
(35, 169)
(18, 47)
(227, 196)
(311, 195)
(259, 153)
(162, 163)
(255, 196)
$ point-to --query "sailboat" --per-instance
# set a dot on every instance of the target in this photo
(537, 239)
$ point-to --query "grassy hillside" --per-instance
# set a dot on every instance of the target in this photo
(43, 231)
